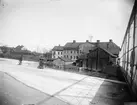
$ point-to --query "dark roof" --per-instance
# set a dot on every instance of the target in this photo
(108, 52)
(112, 55)
(109, 46)
(72, 45)
(65, 59)
(57, 48)
(85, 56)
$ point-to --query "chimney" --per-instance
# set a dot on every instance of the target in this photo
(87, 40)
(110, 40)
(98, 41)
(74, 41)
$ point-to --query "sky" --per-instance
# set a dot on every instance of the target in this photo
(39, 24)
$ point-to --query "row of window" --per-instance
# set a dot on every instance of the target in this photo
(56, 56)
(60, 53)
(70, 51)
(71, 57)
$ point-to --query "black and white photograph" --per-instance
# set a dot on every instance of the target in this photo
(68, 52)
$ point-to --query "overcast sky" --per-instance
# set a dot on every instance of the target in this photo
(46, 23)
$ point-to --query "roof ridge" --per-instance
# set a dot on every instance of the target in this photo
(107, 51)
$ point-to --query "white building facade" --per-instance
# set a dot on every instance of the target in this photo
(57, 51)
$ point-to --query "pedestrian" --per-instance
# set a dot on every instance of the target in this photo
(41, 63)
(20, 59)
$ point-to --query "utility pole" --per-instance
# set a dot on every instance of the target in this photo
(90, 38)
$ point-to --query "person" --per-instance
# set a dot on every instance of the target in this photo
(41, 63)
(20, 59)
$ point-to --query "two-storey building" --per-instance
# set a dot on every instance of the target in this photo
(73, 50)
(100, 55)
(57, 51)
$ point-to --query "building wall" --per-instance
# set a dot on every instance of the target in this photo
(56, 54)
(99, 62)
(85, 47)
(68, 63)
(71, 54)
(74, 53)
(59, 63)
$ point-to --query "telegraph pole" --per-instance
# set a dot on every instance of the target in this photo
(90, 38)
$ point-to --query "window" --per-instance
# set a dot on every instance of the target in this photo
(58, 52)
(61, 53)
(70, 57)
(71, 51)
(67, 56)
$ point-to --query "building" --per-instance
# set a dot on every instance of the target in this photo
(57, 51)
(99, 58)
(109, 46)
(60, 62)
(85, 47)
(73, 50)
(100, 55)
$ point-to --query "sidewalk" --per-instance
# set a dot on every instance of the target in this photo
(13, 92)
(56, 87)
(87, 91)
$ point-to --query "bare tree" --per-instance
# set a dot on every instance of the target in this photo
(44, 50)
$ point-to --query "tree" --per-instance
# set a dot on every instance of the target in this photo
(45, 50)
(19, 47)
(4, 49)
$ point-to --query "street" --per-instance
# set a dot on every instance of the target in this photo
(25, 84)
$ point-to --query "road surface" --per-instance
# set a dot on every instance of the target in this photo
(25, 84)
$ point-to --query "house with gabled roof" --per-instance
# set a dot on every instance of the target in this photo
(71, 50)
(100, 55)
(57, 51)
(109, 46)
(74, 49)
(60, 62)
